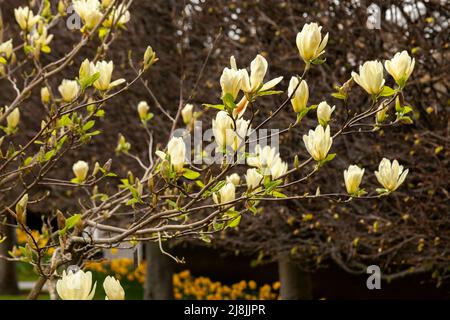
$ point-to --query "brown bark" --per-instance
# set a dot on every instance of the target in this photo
(8, 276)
(160, 269)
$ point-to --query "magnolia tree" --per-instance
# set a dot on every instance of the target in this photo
(184, 189)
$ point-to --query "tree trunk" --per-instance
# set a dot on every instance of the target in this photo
(160, 269)
(295, 283)
(8, 277)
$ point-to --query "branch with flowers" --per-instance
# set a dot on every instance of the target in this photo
(170, 196)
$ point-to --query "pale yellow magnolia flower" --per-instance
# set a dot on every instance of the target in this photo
(255, 82)
(13, 119)
(106, 3)
(262, 157)
(40, 38)
(176, 150)
(242, 129)
(300, 98)
(223, 131)
(87, 69)
(45, 95)
(187, 113)
(76, 286)
(230, 81)
(324, 112)
(69, 90)
(234, 179)
(278, 168)
(226, 194)
(113, 289)
(119, 15)
(7, 48)
(89, 12)
(370, 77)
(352, 177)
(400, 67)
(318, 142)
(310, 43)
(80, 169)
(105, 69)
(253, 178)
(25, 18)
(390, 176)
(142, 109)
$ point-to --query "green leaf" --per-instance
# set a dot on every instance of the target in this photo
(73, 221)
(338, 95)
(235, 222)
(228, 100)
(278, 194)
(46, 49)
(386, 92)
(190, 174)
(269, 92)
(214, 106)
(3, 60)
(88, 125)
(89, 81)
(319, 61)
(70, 223)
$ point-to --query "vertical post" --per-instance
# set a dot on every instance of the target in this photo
(8, 276)
(159, 276)
(295, 283)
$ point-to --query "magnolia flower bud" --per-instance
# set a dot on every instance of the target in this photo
(234, 179)
(6, 48)
(113, 289)
(253, 178)
(143, 109)
(318, 142)
(149, 57)
(299, 100)
(69, 90)
(105, 70)
(76, 285)
(278, 168)
(226, 194)
(62, 8)
(21, 209)
(89, 12)
(13, 119)
(390, 176)
(230, 81)
(187, 113)
(400, 67)
(310, 43)
(176, 149)
(80, 169)
(25, 18)
(370, 77)
(381, 113)
(352, 177)
(45, 95)
(324, 112)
